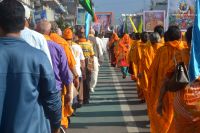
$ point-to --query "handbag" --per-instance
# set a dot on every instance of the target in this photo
(90, 64)
(180, 78)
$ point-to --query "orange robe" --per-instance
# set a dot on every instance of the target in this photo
(186, 108)
(187, 116)
(122, 51)
(136, 65)
(163, 66)
(112, 46)
(113, 39)
(148, 55)
(58, 39)
(66, 107)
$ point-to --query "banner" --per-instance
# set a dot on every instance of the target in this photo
(104, 20)
(181, 13)
(152, 19)
(80, 19)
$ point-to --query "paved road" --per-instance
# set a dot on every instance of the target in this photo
(114, 107)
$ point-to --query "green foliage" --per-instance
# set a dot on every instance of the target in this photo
(62, 23)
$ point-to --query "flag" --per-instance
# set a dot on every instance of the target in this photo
(194, 65)
(87, 24)
(126, 25)
(87, 5)
(140, 27)
(133, 25)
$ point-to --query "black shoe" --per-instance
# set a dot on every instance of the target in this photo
(113, 65)
(69, 120)
(124, 76)
(74, 114)
(86, 102)
(142, 101)
(79, 105)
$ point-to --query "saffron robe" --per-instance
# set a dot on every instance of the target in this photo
(161, 68)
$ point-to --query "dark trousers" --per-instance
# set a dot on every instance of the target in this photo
(112, 57)
(86, 83)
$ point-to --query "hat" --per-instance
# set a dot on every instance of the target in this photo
(27, 12)
(68, 34)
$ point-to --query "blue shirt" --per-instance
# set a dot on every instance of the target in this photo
(61, 69)
(29, 100)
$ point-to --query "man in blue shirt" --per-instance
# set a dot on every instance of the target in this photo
(29, 100)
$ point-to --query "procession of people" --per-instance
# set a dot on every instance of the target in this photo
(47, 74)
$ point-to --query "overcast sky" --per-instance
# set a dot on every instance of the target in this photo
(121, 6)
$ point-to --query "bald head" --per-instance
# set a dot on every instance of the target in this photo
(44, 27)
(92, 31)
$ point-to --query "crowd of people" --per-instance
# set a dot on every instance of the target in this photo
(152, 60)
(45, 74)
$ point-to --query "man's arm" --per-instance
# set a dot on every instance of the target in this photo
(66, 74)
(82, 60)
(49, 95)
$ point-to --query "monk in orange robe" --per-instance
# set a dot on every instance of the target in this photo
(186, 101)
(132, 55)
(122, 52)
(147, 58)
(148, 55)
(111, 45)
(136, 64)
(161, 69)
(160, 30)
(66, 110)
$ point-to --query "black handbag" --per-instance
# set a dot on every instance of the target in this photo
(179, 79)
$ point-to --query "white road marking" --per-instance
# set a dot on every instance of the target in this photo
(125, 106)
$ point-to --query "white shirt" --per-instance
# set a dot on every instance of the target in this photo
(105, 42)
(36, 40)
(97, 45)
(78, 54)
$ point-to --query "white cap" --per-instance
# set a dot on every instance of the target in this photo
(27, 12)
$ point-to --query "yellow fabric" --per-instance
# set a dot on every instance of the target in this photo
(68, 34)
(59, 40)
(133, 25)
(147, 57)
(47, 37)
(86, 47)
(66, 109)
(140, 49)
(163, 66)
(135, 57)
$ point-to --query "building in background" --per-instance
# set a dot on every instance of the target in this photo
(159, 5)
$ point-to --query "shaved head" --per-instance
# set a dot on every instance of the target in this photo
(44, 27)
